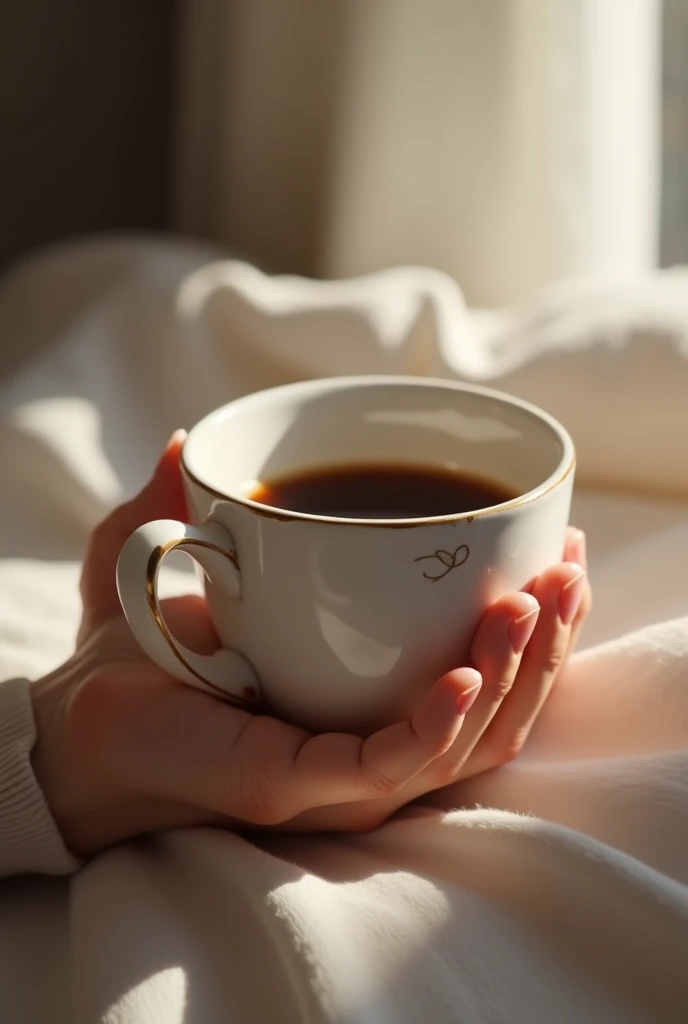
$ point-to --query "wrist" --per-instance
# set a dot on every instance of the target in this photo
(90, 807)
(49, 756)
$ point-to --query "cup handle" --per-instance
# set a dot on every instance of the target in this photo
(225, 673)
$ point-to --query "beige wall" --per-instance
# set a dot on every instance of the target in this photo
(675, 148)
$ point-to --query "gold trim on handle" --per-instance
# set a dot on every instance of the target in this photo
(187, 542)
(152, 569)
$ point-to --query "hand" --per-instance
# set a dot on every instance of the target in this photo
(519, 649)
(125, 749)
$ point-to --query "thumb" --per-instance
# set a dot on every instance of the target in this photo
(161, 498)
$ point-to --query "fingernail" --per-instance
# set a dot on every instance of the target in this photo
(178, 435)
(570, 598)
(466, 700)
(521, 629)
(579, 552)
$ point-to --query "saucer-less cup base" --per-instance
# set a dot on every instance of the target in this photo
(344, 623)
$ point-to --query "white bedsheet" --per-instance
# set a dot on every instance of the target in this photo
(559, 890)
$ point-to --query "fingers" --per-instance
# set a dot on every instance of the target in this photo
(184, 746)
(188, 619)
(161, 498)
(515, 686)
(575, 551)
(347, 768)
(559, 592)
(496, 653)
(518, 650)
(293, 772)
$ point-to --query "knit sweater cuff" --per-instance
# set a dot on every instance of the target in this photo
(29, 838)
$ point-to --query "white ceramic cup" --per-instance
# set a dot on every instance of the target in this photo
(343, 623)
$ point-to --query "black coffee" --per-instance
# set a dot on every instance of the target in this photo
(381, 491)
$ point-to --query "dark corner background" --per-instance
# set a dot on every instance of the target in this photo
(85, 118)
